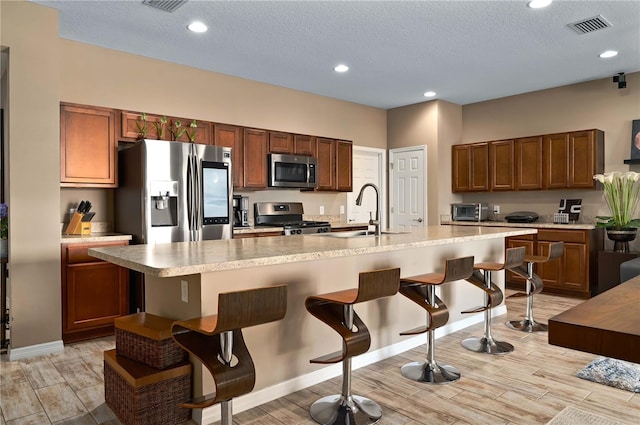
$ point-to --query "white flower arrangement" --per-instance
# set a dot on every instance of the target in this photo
(621, 193)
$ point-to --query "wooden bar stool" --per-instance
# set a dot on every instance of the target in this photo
(336, 310)
(218, 343)
(493, 296)
(534, 286)
(421, 290)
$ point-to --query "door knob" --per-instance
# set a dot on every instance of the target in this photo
(419, 220)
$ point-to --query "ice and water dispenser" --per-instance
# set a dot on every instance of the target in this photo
(164, 203)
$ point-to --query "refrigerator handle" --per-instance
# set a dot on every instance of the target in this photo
(190, 194)
(198, 212)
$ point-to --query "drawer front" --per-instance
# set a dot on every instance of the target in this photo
(577, 236)
(78, 253)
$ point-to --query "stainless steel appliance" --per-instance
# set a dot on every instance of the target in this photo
(522, 217)
(174, 192)
(292, 171)
(240, 211)
(470, 211)
(287, 215)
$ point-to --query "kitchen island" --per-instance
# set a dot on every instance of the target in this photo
(309, 265)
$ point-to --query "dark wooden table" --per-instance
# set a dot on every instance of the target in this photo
(608, 324)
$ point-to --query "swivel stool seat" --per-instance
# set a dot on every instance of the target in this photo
(533, 286)
(421, 290)
(336, 310)
(493, 297)
(218, 343)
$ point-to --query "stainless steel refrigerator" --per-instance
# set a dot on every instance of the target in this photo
(174, 192)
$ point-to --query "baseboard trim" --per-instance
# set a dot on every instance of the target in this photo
(265, 395)
(35, 350)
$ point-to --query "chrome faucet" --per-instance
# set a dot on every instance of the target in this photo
(373, 222)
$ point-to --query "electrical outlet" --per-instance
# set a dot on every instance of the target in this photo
(184, 291)
(496, 209)
(341, 209)
(321, 209)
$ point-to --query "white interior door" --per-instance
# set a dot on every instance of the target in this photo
(368, 167)
(408, 183)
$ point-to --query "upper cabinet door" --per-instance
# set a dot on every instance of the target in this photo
(255, 158)
(230, 136)
(479, 156)
(280, 142)
(586, 157)
(326, 155)
(502, 165)
(304, 145)
(528, 163)
(88, 150)
(556, 161)
(344, 166)
(460, 168)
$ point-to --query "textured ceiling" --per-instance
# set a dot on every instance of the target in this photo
(466, 51)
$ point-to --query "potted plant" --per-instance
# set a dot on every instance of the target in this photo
(191, 131)
(177, 130)
(621, 194)
(142, 127)
(4, 230)
(159, 125)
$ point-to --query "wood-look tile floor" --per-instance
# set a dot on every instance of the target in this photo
(529, 386)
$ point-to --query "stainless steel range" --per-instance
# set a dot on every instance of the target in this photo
(287, 215)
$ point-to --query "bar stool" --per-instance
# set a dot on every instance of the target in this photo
(534, 286)
(336, 310)
(218, 343)
(421, 290)
(493, 296)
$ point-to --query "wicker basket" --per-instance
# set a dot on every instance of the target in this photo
(141, 395)
(146, 338)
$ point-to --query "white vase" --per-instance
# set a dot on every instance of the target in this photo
(4, 248)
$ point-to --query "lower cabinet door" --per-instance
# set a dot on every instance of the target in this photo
(95, 294)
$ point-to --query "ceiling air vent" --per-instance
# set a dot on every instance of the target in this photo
(590, 25)
(166, 5)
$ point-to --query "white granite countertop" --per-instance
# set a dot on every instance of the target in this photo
(184, 258)
(266, 229)
(95, 237)
(534, 225)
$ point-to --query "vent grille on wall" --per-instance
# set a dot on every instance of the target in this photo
(589, 25)
(166, 5)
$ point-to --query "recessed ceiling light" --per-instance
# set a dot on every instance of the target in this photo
(197, 27)
(429, 94)
(341, 68)
(608, 54)
(538, 4)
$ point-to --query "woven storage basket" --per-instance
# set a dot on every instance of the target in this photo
(141, 395)
(147, 338)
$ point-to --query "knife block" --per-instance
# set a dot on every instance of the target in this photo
(77, 226)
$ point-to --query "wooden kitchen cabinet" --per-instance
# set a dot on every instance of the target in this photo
(255, 158)
(344, 166)
(553, 161)
(326, 156)
(575, 272)
(88, 149)
(257, 234)
(501, 160)
(230, 136)
(528, 163)
(201, 133)
(470, 167)
(335, 165)
(304, 145)
(130, 121)
(280, 142)
(94, 292)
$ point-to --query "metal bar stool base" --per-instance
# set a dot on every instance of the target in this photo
(339, 410)
(527, 325)
(430, 373)
(487, 346)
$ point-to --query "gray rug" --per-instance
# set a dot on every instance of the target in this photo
(614, 373)
(572, 416)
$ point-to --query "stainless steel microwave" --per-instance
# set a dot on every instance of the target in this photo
(292, 171)
(470, 212)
